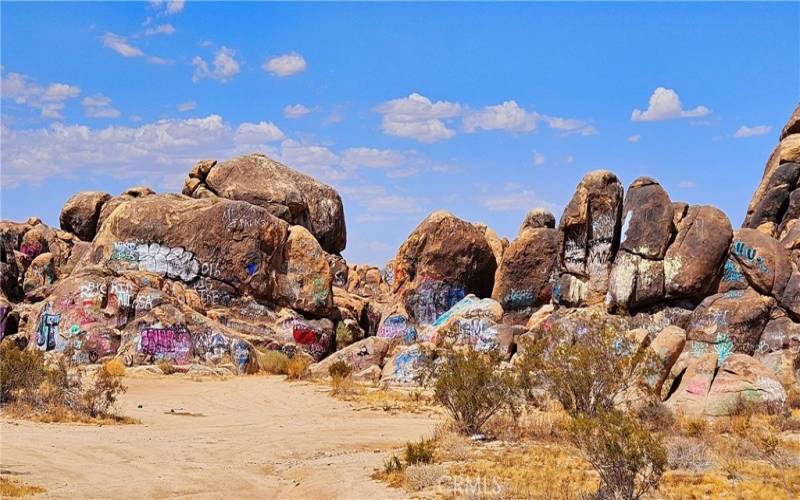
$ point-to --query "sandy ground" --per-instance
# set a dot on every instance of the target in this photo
(247, 437)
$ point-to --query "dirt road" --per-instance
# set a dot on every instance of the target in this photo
(245, 437)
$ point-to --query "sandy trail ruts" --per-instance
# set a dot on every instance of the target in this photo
(250, 437)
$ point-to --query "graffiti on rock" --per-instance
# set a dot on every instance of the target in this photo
(397, 327)
(30, 250)
(388, 275)
(315, 342)
(518, 299)
(407, 365)
(47, 332)
(90, 347)
(171, 343)
(173, 262)
(732, 272)
(240, 352)
(749, 254)
(210, 345)
(479, 333)
(723, 347)
(320, 292)
(432, 298)
(125, 250)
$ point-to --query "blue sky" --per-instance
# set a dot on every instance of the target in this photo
(486, 110)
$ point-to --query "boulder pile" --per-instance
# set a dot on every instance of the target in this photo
(247, 259)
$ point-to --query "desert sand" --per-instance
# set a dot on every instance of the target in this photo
(245, 437)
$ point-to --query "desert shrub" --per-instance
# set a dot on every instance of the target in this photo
(9, 488)
(471, 386)
(793, 397)
(421, 452)
(392, 465)
(102, 394)
(693, 426)
(656, 416)
(167, 367)
(451, 445)
(340, 369)
(785, 423)
(344, 386)
(687, 453)
(20, 370)
(628, 458)
(274, 362)
(588, 369)
(344, 337)
(297, 366)
(115, 367)
(419, 477)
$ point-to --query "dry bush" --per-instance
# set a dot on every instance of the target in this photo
(273, 362)
(687, 453)
(297, 366)
(166, 366)
(102, 394)
(344, 386)
(339, 369)
(657, 417)
(451, 445)
(793, 397)
(693, 426)
(586, 370)
(20, 370)
(419, 477)
(9, 488)
(421, 452)
(115, 367)
(628, 458)
(471, 386)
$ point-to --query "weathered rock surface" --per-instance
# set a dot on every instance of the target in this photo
(524, 278)
(538, 218)
(81, 213)
(111, 205)
(359, 356)
(694, 261)
(285, 193)
(647, 216)
(591, 227)
(471, 322)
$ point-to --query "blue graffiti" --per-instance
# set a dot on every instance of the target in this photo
(723, 347)
(732, 272)
(518, 299)
(251, 268)
(406, 365)
(48, 329)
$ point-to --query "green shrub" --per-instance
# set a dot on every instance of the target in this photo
(420, 452)
(471, 386)
(629, 460)
(587, 368)
(344, 337)
(20, 370)
(340, 369)
(392, 465)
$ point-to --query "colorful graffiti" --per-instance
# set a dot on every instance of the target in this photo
(732, 272)
(723, 346)
(397, 327)
(432, 298)
(210, 345)
(518, 299)
(749, 254)
(315, 342)
(479, 333)
(89, 347)
(407, 365)
(240, 352)
(320, 292)
(171, 343)
(47, 332)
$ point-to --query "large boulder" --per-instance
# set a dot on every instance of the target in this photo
(127, 195)
(359, 356)
(538, 218)
(762, 260)
(731, 322)
(471, 322)
(442, 260)
(189, 241)
(591, 227)
(304, 282)
(694, 261)
(285, 193)
(81, 213)
(647, 215)
(524, 278)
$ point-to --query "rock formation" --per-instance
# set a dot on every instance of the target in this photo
(248, 259)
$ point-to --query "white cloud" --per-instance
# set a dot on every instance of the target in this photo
(378, 204)
(634, 138)
(538, 158)
(174, 6)
(418, 118)
(158, 60)
(316, 160)
(372, 158)
(568, 126)
(295, 111)
(161, 29)
(99, 106)
(511, 197)
(285, 65)
(687, 184)
(119, 45)
(225, 66)
(569, 159)
(49, 100)
(665, 104)
(507, 116)
(745, 131)
(187, 106)
(153, 153)
(257, 133)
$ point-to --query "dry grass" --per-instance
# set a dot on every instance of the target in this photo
(273, 362)
(11, 488)
(60, 414)
(297, 366)
(167, 367)
(345, 387)
(419, 477)
(115, 367)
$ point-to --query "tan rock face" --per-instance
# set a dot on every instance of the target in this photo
(694, 261)
(285, 193)
(130, 194)
(81, 213)
(591, 226)
(304, 283)
(524, 278)
(471, 322)
(202, 243)
(359, 356)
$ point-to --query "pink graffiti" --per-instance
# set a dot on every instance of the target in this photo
(172, 343)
